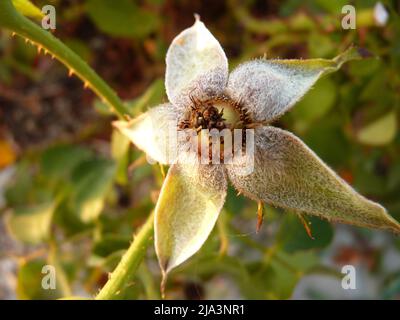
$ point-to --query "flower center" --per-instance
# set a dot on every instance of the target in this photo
(220, 112)
(228, 117)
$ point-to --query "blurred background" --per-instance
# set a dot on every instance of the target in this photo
(73, 191)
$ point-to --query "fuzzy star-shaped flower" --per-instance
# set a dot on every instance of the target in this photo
(286, 172)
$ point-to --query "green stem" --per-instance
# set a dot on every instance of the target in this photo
(129, 263)
(17, 23)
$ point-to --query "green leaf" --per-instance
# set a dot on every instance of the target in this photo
(367, 181)
(362, 68)
(315, 104)
(111, 243)
(61, 159)
(379, 132)
(92, 181)
(27, 8)
(319, 45)
(22, 185)
(121, 18)
(31, 224)
(328, 129)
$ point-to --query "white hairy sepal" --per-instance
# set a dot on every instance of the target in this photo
(269, 88)
(154, 132)
(189, 204)
(196, 66)
(288, 174)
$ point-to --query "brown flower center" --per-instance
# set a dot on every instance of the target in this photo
(220, 112)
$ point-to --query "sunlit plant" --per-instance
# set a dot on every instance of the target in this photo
(286, 172)
(203, 95)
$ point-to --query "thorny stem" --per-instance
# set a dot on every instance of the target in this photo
(129, 263)
(18, 24)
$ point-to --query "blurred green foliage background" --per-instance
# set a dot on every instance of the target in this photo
(73, 190)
